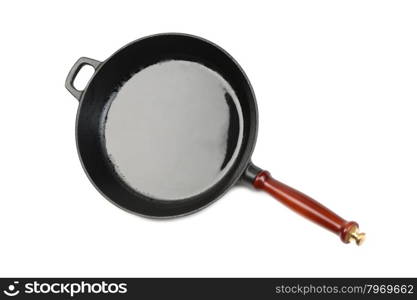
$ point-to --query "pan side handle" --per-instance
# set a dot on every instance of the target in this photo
(69, 81)
(304, 205)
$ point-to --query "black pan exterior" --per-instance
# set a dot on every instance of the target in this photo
(117, 69)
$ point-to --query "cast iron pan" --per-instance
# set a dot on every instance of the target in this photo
(168, 124)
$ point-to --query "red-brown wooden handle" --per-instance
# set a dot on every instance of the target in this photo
(309, 208)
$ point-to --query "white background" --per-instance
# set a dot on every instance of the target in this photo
(336, 83)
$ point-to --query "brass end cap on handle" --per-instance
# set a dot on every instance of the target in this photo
(355, 235)
(351, 233)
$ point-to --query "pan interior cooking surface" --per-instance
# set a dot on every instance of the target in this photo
(173, 129)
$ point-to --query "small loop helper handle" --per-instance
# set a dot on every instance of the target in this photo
(69, 82)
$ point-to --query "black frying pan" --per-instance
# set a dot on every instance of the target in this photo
(168, 124)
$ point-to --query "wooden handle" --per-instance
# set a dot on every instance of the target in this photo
(309, 208)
